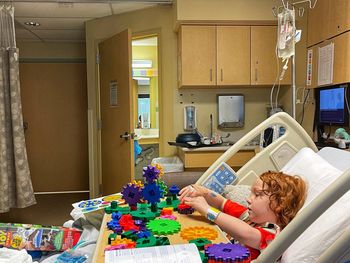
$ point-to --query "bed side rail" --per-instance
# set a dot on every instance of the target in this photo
(295, 137)
(339, 251)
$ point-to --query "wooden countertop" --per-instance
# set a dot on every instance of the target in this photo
(185, 220)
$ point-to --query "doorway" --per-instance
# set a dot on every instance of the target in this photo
(146, 100)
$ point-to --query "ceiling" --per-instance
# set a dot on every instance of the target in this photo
(64, 20)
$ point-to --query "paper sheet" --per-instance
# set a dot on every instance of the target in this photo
(325, 64)
(170, 254)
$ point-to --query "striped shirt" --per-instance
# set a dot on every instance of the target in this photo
(268, 230)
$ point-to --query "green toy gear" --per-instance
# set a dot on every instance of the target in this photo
(144, 215)
(147, 242)
(169, 202)
(162, 186)
(163, 226)
(200, 242)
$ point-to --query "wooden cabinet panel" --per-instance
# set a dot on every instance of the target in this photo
(233, 55)
(263, 57)
(341, 64)
(204, 159)
(328, 19)
(319, 22)
(340, 16)
(197, 55)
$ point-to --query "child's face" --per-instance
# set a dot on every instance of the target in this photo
(259, 205)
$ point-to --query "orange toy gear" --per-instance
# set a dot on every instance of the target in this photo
(199, 232)
(128, 242)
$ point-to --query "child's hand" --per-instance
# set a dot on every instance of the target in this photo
(193, 191)
(199, 203)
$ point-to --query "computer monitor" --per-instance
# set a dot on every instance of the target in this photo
(331, 108)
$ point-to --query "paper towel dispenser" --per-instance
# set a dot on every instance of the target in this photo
(230, 110)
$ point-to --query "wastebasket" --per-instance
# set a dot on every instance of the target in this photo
(170, 164)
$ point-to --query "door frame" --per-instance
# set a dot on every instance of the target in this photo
(94, 120)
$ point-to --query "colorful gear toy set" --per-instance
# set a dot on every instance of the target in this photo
(134, 224)
(146, 219)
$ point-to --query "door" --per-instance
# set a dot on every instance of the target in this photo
(116, 94)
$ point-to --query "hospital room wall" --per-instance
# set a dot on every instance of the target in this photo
(163, 18)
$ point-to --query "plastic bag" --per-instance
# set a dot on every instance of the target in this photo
(170, 164)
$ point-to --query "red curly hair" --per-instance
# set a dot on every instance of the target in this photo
(287, 194)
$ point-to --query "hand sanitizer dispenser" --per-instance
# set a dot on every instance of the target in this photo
(190, 118)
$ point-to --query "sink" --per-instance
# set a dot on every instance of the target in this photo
(147, 133)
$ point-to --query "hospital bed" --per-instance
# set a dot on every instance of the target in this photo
(287, 152)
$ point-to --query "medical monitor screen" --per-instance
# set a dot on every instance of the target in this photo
(331, 106)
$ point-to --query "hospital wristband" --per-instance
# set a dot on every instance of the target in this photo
(212, 213)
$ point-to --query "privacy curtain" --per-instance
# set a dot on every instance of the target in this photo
(16, 188)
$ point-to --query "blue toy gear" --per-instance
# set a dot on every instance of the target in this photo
(131, 194)
(152, 193)
(150, 173)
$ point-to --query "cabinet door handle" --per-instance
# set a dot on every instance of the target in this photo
(211, 74)
(222, 75)
(256, 75)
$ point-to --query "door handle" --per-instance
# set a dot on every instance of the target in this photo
(127, 136)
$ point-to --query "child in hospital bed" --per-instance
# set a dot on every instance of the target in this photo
(274, 201)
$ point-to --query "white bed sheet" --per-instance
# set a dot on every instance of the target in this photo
(328, 227)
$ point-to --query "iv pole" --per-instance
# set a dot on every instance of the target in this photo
(301, 13)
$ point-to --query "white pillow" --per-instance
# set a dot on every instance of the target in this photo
(328, 227)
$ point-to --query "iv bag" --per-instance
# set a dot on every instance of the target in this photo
(286, 33)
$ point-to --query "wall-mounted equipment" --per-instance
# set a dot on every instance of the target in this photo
(190, 118)
(230, 110)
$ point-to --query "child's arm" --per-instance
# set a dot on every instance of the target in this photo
(239, 230)
(235, 227)
(214, 199)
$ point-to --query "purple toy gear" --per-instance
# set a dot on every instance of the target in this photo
(151, 173)
(152, 193)
(131, 194)
(227, 252)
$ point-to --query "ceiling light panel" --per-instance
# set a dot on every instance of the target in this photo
(57, 23)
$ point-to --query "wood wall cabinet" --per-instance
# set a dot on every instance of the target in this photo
(328, 19)
(341, 60)
(339, 17)
(341, 63)
(214, 55)
(233, 55)
(197, 56)
(228, 56)
(263, 57)
(319, 20)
